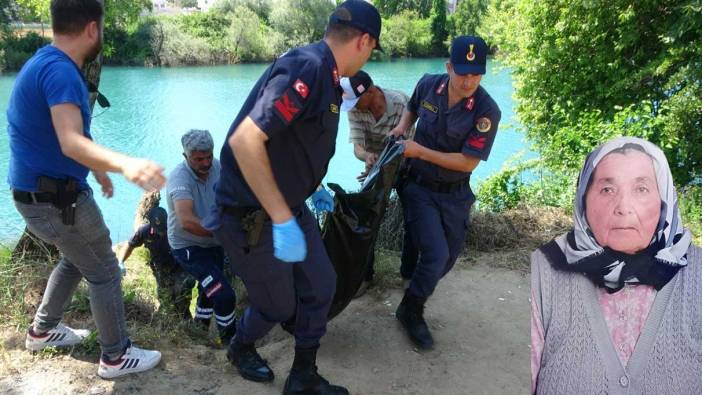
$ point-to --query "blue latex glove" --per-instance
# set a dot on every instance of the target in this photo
(322, 200)
(289, 242)
(122, 269)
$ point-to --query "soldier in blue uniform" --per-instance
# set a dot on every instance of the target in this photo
(456, 129)
(275, 156)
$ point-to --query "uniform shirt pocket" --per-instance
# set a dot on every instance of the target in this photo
(330, 121)
(427, 116)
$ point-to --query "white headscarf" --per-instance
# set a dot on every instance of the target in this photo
(671, 239)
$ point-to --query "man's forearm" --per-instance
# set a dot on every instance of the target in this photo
(359, 152)
(450, 160)
(407, 119)
(127, 253)
(192, 225)
(92, 155)
(248, 146)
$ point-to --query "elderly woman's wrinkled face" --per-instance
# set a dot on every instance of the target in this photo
(623, 204)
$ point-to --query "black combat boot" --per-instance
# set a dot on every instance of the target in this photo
(247, 361)
(227, 333)
(304, 379)
(410, 313)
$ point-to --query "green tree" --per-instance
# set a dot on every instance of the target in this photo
(121, 18)
(467, 18)
(123, 14)
(406, 35)
(262, 8)
(36, 11)
(388, 8)
(186, 3)
(439, 33)
(301, 21)
(251, 39)
(588, 70)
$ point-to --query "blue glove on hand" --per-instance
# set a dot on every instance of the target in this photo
(289, 242)
(322, 200)
(122, 269)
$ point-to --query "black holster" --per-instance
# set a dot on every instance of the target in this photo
(251, 219)
(252, 224)
(65, 194)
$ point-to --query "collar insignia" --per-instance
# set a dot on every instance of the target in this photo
(335, 76)
(470, 103)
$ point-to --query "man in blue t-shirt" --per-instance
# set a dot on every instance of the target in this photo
(275, 156)
(51, 153)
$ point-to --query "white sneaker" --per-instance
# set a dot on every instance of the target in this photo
(60, 336)
(134, 360)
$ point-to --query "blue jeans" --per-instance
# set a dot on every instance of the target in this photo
(86, 252)
(215, 293)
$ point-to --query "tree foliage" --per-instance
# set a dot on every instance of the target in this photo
(300, 22)
(262, 8)
(439, 31)
(468, 17)
(588, 70)
(406, 35)
(388, 8)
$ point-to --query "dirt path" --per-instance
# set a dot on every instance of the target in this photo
(479, 317)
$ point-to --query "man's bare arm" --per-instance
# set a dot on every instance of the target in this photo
(68, 123)
(248, 145)
(448, 160)
(407, 119)
(188, 220)
(127, 252)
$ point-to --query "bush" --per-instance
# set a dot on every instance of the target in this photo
(18, 49)
(301, 22)
(134, 48)
(181, 49)
(586, 71)
(406, 35)
(691, 210)
(527, 183)
(250, 39)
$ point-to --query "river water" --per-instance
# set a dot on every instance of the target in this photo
(153, 107)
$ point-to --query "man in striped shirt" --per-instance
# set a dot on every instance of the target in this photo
(373, 113)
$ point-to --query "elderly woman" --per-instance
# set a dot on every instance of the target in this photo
(617, 301)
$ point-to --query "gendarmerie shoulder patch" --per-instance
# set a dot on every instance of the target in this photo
(334, 108)
(430, 107)
(483, 125)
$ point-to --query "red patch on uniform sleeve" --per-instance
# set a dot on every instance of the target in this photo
(477, 142)
(301, 88)
(286, 108)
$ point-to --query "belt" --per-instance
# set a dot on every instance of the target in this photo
(437, 186)
(33, 197)
(241, 212)
(238, 211)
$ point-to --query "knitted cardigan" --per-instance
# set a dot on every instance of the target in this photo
(579, 356)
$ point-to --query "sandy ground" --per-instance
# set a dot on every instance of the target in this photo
(479, 317)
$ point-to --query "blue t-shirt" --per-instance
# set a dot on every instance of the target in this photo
(296, 103)
(49, 78)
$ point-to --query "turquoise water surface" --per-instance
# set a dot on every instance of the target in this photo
(153, 107)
